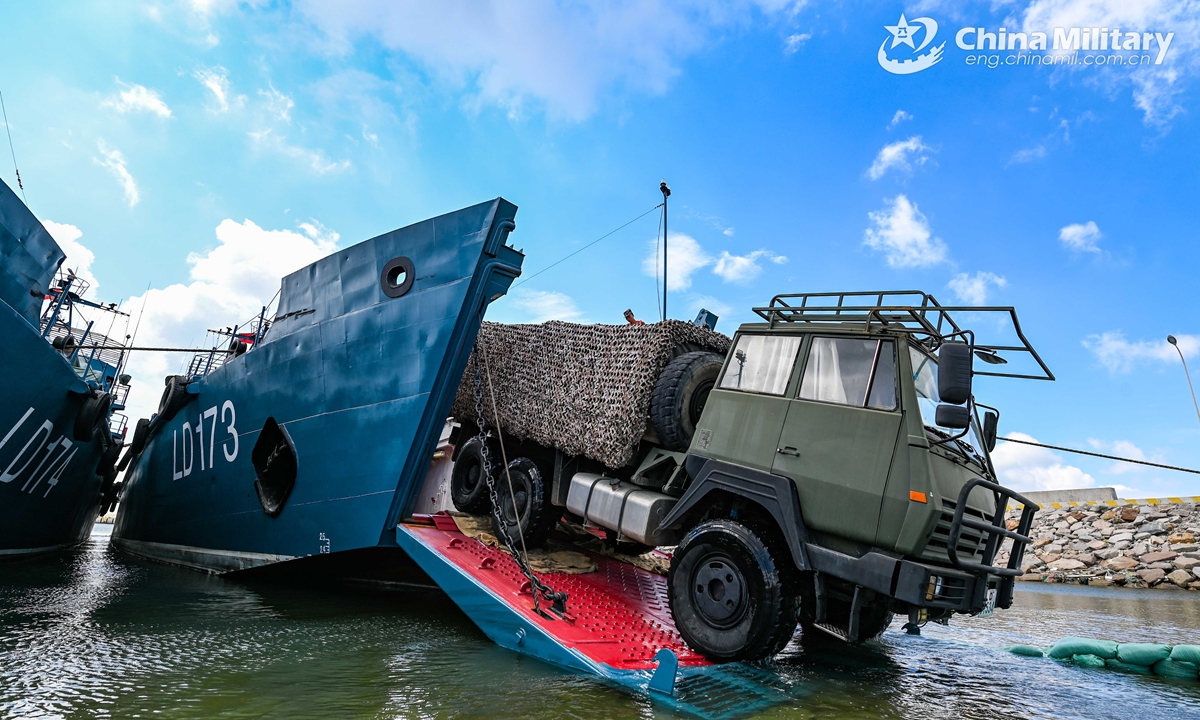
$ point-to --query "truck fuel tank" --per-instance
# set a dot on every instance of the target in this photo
(632, 511)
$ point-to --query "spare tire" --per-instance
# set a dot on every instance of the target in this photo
(680, 395)
(174, 397)
(468, 489)
(92, 415)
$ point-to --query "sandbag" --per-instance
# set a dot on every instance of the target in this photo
(1026, 651)
(1088, 661)
(1142, 653)
(1126, 667)
(1069, 646)
(1176, 670)
(1186, 653)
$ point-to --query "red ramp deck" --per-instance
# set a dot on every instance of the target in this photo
(617, 622)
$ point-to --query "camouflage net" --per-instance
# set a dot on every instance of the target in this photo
(584, 389)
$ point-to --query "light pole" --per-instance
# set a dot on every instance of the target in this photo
(1171, 339)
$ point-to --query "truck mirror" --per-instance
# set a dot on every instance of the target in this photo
(955, 417)
(990, 421)
(954, 373)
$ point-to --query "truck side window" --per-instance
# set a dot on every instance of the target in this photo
(761, 363)
(850, 371)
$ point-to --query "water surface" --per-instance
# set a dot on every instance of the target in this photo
(94, 633)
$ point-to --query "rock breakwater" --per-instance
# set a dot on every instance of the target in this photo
(1129, 546)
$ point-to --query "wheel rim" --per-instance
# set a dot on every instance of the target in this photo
(472, 479)
(699, 398)
(511, 512)
(718, 590)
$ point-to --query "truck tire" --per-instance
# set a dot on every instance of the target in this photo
(873, 620)
(534, 517)
(108, 460)
(141, 434)
(468, 490)
(730, 598)
(92, 416)
(173, 399)
(679, 397)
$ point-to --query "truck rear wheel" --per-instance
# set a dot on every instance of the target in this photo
(679, 397)
(468, 490)
(730, 598)
(526, 508)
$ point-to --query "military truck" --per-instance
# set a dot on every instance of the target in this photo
(834, 469)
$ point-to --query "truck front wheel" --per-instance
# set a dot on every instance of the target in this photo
(731, 598)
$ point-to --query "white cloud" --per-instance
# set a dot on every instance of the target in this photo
(903, 234)
(1081, 237)
(900, 155)
(1027, 155)
(278, 104)
(1024, 467)
(315, 159)
(560, 56)
(1125, 449)
(684, 257)
(536, 306)
(79, 258)
(112, 160)
(229, 284)
(744, 268)
(138, 98)
(1155, 88)
(973, 290)
(1117, 354)
(794, 42)
(217, 81)
(898, 118)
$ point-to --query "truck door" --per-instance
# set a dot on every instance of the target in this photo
(840, 433)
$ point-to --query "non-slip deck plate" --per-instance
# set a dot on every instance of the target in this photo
(617, 616)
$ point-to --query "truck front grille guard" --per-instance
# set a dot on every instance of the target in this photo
(995, 531)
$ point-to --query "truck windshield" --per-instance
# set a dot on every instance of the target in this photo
(925, 380)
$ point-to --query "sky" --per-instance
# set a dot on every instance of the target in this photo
(187, 155)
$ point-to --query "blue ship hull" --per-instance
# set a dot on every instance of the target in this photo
(358, 371)
(49, 490)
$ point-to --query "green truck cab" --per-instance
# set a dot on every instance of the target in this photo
(840, 472)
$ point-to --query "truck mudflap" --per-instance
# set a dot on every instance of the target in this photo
(617, 627)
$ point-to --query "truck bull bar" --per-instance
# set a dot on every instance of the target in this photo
(996, 532)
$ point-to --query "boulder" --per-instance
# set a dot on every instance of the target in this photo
(1151, 575)
(1051, 557)
(1181, 537)
(1120, 537)
(1042, 541)
(1108, 554)
(1154, 557)
(1182, 578)
(1031, 577)
(1139, 549)
(1186, 563)
(1196, 572)
(1109, 515)
(1185, 548)
(1121, 545)
(1087, 559)
(1155, 528)
(1067, 564)
(1122, 562)
(1081, 546)
(1097, 545)
(1012, 524)
(1129, 513)
(1164, 566)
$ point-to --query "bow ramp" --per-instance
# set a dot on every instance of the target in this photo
(617, 625)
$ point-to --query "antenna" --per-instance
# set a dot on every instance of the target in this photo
(8, 130)
(666, 192)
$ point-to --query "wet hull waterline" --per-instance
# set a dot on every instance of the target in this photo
(97, 633)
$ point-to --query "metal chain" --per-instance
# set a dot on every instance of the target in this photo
(540, 591)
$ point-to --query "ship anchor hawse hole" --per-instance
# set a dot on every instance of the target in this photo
(397, 277)
(275, 462)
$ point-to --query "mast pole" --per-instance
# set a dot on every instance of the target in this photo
(666, 193)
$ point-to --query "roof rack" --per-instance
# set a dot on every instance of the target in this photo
(913, 312)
